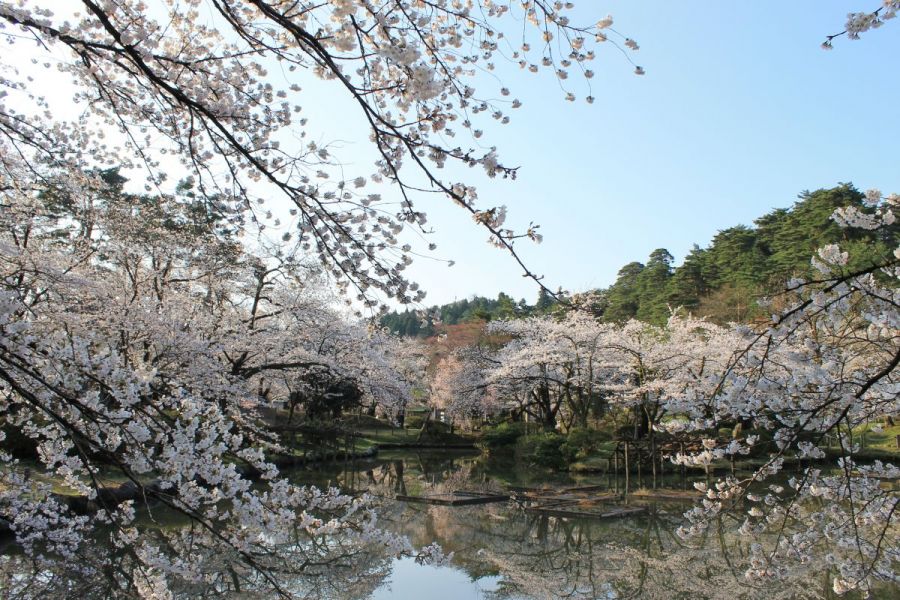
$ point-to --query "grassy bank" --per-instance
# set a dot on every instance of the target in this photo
(592, 451)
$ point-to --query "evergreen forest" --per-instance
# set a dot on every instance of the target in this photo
(722, 282)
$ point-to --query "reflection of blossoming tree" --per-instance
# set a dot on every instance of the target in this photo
(540, 556)
(353, 572)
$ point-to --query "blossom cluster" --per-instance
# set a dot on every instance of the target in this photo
(196, 83)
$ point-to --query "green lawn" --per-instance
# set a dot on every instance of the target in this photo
(883, 440)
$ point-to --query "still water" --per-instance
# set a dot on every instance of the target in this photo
(501, 551)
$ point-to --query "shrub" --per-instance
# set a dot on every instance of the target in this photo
(414, 420)
(581, 442)
(505, 434)
(542, 449)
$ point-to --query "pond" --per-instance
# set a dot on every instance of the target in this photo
(502, 551)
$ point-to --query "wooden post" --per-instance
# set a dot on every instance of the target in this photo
(640, 471)
(626, 468)
(616, 465)
(653, 460)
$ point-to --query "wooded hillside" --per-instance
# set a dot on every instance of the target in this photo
(722, 281)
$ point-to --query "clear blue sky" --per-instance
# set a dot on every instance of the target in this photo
(739, 112)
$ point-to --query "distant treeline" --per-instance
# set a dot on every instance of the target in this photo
(722, 281)
(477, 308)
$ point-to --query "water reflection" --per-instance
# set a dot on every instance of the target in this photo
(499, 550)
(412, 580)
(503, 552)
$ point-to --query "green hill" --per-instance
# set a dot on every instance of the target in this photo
(721, 281)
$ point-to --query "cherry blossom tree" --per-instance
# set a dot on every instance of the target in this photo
(551, 367)
(194, 80)
(329, 347)
(664, 372)
(457, 385)
(826, 367)
(572, 366)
